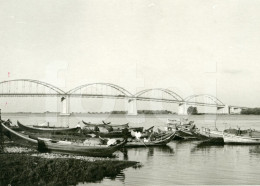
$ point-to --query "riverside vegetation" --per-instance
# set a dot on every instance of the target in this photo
(21, 167)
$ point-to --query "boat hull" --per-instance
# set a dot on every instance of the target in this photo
(234, 139)
(72, 148)
(47, 130)
(19, 136)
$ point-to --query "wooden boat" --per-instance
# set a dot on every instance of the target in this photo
(161, 141)
(88, 124)
(209, 136)
(78, 148)
(237, 136)
(106, 125)
(206, 133)
(184, 129)
(47, 130)
(121, 126)
(46, 125)
(19, 135)
(112, 134)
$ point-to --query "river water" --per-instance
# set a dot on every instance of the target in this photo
(180, 162)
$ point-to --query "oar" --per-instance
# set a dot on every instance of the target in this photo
(144, 144)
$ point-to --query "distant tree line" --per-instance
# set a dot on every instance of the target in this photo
(155, 112)
(118, 112)
(253, 111)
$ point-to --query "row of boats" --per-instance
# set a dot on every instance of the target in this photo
(114, 137)
(227, 136)
(38, 136)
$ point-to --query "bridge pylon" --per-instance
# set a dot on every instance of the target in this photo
(223, 110)
(65, 103)
(132, 110)
(183, 109)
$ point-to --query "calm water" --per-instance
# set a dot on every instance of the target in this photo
(178, 162)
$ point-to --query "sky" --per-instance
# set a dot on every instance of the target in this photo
(187, 46)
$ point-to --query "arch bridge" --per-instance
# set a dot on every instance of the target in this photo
(32, 88)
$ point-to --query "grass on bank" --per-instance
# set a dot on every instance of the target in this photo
(21, 169)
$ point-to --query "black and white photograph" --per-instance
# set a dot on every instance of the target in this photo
(129, 92)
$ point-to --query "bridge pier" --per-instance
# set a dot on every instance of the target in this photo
(183, 108)
(65, 103)
(223, 110)
(132, 110)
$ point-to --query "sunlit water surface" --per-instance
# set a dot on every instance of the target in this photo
(178, 162)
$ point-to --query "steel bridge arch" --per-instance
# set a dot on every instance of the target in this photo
(116, 87)
(213, 98)
(52, 87)
(169, 92)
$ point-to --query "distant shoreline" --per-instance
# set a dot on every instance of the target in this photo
(109, 113)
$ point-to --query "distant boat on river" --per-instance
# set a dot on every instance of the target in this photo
(237, 136)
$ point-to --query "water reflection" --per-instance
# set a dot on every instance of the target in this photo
(149, 151)
(206, 147)
(255, 150)
(207, 143)
(180, 162)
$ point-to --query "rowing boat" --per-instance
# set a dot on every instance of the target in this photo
(45, 145)
(118, 126)
(49, 145)
(237, 136)
(209, 136)
(47, 130)
(206, 133)
(159, 141)
(88, 124)
(19, 135)
(106, 125)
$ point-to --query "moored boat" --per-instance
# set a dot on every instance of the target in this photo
(88, 124)
(237, 136)
(19, 135)
(117, 126)
(184, 128)
(47, 130)
(49, 145)
(206, 133)
(159, 141)
(45, 145)
(107, 126)
(209, 136)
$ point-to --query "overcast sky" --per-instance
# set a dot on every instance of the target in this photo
(188, 46)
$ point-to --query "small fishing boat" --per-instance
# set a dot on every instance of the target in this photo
(158, 141)
(118, 126)
(46, 145)
(18, 135)
(106, 125)
(88, 124)
(209, 136)
(206, 133)
(184, 128)
(47, 130)
(49, 145)
(237, 136)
